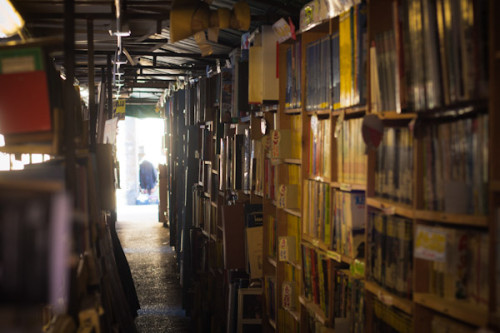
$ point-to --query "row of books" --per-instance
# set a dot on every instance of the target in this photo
(200, 99)
(241, 159)
(353, 55)
(315, 273)
(257, 167)
(270, 179)
(394, 165)
(383, 72)
(351, 157)
(441, 324)
(317, 210)
(293, 99)
(460, 270)
(348, 223)
(286, 323)
(270, 296)
(288, 245)
(334, 217)
(390, 252)
(271, 235)
(312, 324)
(389, 319)
(456, 166)
(434, 55)
(290, 288)
(348, 301)
(319, 74)
(336, 65)
(235, 163)
(320, 148)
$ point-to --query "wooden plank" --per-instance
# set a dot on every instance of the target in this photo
(293, 111)
(294, 314)
(272, 261)
(349, 187)
(393, 115)
(466, 220)
(314, 308)
(293, 161)
(294, 212)
(388, 298)
(351, 111)
(391, 208)
(457, 309)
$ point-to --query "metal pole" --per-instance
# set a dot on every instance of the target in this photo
(69, 100)
(92, 106)
(110, 88)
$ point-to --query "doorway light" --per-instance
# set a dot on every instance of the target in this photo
(10, 20)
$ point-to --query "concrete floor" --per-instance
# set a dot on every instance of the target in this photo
(153, 266)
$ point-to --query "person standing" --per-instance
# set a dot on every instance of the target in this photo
(147, 176)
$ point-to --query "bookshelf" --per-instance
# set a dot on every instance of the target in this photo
(364, 239)
(406, 205)
(70, 197)
(419, 94)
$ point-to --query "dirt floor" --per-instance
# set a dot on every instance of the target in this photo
(153, 266)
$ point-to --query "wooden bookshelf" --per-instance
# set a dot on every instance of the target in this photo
(294, 212)
(315, 309)
(295, 314)
(457, 219)
(314, 242)
(351, 111)
(272, 323)
(293, 111)
(349, 187)
(390, 208)
(457, 309)
(388, 298)
(319, 179)
(393, 115)
(319, 113)
(409, 126)
(272, 261)
(292, 161)
(339, 257)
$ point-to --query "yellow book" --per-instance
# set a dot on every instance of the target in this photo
(327, 170)
(340, 154)
(305, 200)
(293, 230)
(345, 55)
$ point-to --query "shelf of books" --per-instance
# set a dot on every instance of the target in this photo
(397, 198)
(372, 167)
(428, 216)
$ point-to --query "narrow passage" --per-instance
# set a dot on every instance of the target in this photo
(153, 266)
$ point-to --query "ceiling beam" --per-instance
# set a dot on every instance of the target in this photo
(141, 68)
(158, 84)
(158, 54)
(99, 2)
(37, 16)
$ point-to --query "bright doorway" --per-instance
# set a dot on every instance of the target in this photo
(138, 139)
